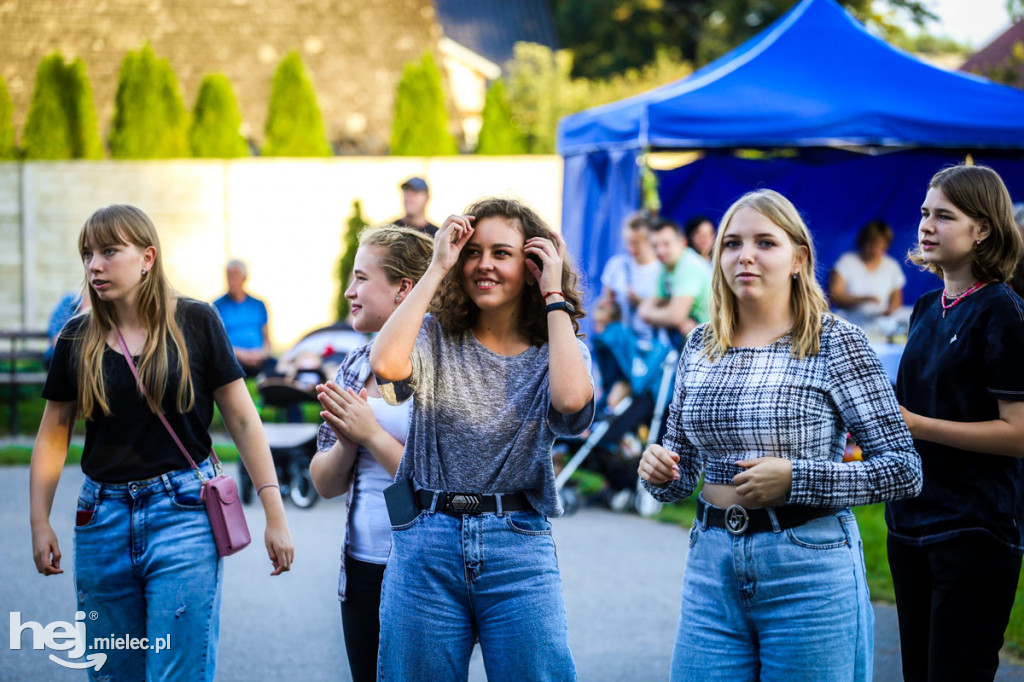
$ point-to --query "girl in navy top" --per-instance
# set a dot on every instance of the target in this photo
(955, 551)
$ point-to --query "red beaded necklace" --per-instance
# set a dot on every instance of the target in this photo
(961, 296)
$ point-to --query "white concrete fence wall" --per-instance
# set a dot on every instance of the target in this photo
(286, 218)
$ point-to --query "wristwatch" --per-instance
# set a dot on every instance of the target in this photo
(561, 305)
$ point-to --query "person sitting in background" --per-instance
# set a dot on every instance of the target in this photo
(628, 278)
(700, 232)
(245, 319)
(867, 284)
(681, 300)
(415, 195)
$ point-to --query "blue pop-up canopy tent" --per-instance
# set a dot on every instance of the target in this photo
(819, 85)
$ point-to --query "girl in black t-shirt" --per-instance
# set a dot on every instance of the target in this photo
(955, 551)
(145, 560)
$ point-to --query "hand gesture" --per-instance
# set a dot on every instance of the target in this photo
(45, 550)
(280, 548)
(766, 481)
(658, 465)
(551, 254)
(347, 413)
(450, 239)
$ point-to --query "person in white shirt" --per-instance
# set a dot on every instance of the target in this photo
(630, 277)
(867, 284)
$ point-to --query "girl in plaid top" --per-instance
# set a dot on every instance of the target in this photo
(362, 438)
(775, 586)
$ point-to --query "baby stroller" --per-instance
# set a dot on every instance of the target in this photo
(313, 360)
(649, 367)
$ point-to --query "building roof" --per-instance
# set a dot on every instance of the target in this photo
(491, 28)
(997, 53)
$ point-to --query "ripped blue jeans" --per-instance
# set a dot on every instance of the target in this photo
(146, 567)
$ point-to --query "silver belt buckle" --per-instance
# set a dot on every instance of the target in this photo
(736, 519)
(464, 504)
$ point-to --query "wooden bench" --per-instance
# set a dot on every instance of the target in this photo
(18, 348)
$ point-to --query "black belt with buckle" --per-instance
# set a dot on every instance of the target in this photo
(739, 520)
(471, 503)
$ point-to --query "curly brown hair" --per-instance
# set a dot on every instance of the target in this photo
(457, 313)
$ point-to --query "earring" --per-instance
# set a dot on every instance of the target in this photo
(795, 275)
(398, 299)
(144, 272)
(979, 242)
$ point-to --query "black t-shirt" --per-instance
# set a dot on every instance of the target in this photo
(130, 444)
(957, 368)
(430, 228)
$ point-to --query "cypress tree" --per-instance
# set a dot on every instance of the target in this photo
(85, 135)
(420, 126)
(47, 133)
(216, 121)
(348, 257)
(8, 152)
(150, 121)
(499, 135)
(295, 126)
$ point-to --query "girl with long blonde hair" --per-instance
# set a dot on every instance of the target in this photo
(774, 587)
(145, 559)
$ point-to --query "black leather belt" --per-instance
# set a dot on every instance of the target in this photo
(471, 503)
(740, 520)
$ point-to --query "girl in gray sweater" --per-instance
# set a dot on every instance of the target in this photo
(497, 372)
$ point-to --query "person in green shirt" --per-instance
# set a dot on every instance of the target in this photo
(684, 287)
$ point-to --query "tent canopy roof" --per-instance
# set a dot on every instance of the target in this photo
(816, 77)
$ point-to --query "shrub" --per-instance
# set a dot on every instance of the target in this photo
(216, 122)
(420, 126)
(47, 133)
(294, 124)
(8, 151)
(499, 135)
(348, 256)
(150, 121)
(85, 135)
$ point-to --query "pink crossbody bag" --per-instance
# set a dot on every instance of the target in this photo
(220, 493)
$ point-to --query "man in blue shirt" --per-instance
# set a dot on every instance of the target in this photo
(245, 319)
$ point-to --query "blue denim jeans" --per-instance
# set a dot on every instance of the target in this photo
(789, 605)
(452, 580)
(146, 566)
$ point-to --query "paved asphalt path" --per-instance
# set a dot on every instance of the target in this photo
(622, 577)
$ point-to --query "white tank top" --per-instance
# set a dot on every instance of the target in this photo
(369, 528)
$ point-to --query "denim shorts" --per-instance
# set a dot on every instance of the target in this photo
(146, 566)
(790, 605)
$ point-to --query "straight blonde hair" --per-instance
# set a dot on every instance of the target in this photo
(165, 345)
(806, 298)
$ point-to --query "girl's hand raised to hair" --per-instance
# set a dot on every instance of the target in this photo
(450, 239)
(551, 254)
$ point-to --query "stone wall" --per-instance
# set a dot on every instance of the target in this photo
(354, 50)
(284, 217)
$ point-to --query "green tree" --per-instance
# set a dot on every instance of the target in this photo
(47, 134)
(1009, 71)
(294, 124)
(610, 36)
(420, 126)
(499, 135)
(150, 121)
(348, 256)
(541, 90)
(216, 122)
(85, 132)
(8, 151)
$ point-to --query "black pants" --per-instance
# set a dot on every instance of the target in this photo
(953, 599)
(360, 617)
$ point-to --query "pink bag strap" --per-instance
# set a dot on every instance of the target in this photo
(163, 419)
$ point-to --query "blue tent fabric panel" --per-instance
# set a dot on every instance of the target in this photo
(836, 192)
(816, 77)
